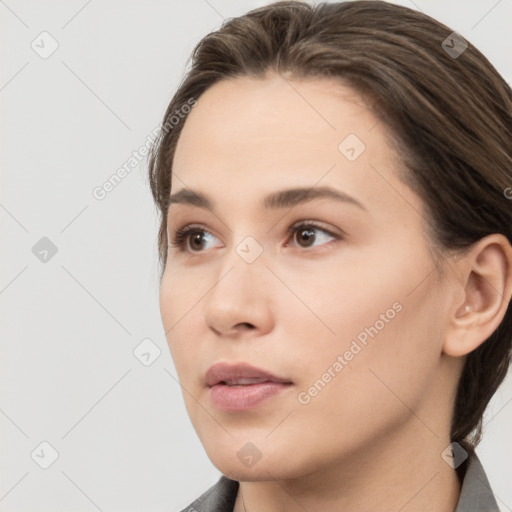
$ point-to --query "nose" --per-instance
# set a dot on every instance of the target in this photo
(239, 302)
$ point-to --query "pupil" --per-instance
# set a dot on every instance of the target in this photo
(307, 235)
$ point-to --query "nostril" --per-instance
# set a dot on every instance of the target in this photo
(246, 325)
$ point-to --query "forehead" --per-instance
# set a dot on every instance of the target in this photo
(247, 137)
(282, 95)
(273, 119)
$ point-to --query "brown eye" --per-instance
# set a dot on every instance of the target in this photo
(308, 234)
(191, 239)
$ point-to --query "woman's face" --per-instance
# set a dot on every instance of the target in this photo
(349, 312)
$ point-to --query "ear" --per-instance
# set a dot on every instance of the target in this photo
(484, 280)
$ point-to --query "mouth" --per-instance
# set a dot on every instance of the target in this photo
(240, 374)
(238, 383)
(239, 387)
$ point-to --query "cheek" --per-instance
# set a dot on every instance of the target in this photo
(381, 318)
(340, 298)
(180, 293)
(181, 290)
(359, 400)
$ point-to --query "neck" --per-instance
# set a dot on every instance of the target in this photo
(406, 474)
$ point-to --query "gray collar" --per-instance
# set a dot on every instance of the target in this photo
(476, 494)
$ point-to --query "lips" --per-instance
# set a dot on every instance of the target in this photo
(241, 387)
(240, 374)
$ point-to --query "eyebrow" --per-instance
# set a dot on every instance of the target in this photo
(281, 199)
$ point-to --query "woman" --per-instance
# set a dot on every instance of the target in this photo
(336, 257)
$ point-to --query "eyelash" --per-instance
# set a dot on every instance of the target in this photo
(179, 238)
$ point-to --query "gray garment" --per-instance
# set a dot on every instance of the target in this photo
(476, 494)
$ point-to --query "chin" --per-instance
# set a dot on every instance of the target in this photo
(245, 461)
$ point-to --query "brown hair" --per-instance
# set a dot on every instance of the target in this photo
(450, 116)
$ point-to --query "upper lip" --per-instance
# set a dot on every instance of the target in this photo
(233, 373)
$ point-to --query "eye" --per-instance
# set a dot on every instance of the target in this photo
(195, 238)
(305, 233)
(189, 237)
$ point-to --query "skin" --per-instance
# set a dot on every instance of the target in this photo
(372, 438)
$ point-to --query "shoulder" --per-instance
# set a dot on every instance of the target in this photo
(476, 494)
(220, 497)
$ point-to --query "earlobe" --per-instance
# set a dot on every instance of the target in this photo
(485, 275)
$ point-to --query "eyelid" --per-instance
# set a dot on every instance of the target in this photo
(314, 224)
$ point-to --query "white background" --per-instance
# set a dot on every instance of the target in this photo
(69, 326)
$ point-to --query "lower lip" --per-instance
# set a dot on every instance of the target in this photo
(242, 398)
